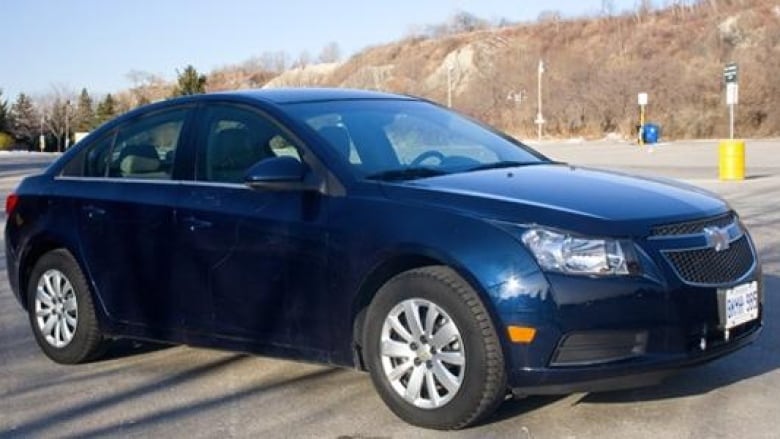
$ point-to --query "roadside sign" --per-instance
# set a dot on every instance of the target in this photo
(731, 73)
(642, 98)
(732, 93)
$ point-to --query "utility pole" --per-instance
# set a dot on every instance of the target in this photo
(43, 138)
(67, 125)
(539, 118)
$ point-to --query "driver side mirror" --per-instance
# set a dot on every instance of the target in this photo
(279, 174)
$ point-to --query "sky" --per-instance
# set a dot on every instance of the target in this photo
(96, 43)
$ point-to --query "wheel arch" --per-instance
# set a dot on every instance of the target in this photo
(36, 248)
(386, 270)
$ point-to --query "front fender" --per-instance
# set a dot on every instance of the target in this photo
(367, 238)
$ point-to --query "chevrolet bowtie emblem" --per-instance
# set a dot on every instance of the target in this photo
(717, 238)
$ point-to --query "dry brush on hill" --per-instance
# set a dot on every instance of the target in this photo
(594, 69)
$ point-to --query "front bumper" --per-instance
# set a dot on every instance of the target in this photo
(642, 371)
(608, 334)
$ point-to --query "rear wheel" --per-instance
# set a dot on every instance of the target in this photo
(432, 350)
(61, 311)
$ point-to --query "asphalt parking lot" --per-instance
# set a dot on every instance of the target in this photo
(152, 391)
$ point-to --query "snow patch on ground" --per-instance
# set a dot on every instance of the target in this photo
(27, 154)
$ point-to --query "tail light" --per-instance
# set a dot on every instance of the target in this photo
(10, 203)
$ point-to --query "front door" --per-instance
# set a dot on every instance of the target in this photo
(261, 255)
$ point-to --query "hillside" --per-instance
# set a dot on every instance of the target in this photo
(594, 69)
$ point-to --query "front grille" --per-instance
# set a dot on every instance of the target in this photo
(693, 227)
(706, 266)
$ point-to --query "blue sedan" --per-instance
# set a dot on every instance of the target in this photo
(381, 232)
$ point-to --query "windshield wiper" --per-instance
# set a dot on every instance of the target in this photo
(406, 174)
(508, 164)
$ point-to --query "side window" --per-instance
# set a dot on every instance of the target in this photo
(92, 161)
(235, 140)
(145, 148)
(96, 157)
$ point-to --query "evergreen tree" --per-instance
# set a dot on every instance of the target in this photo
(189, 82)
(26, 126)
(85, 113)
(5, 122)
(106, 110)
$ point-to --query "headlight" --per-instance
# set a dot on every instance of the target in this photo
(556, 251)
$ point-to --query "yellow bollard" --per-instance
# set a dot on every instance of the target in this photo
(732, 159)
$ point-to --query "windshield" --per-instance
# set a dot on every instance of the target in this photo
(405, 139)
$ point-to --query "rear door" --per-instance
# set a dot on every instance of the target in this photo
(123, 205)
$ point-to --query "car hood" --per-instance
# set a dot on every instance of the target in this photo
(557, 195)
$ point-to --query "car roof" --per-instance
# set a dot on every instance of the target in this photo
(296, 95)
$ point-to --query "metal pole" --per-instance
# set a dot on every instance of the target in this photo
(731, 121)
(539, 117)
(42, 139)
(67, 123)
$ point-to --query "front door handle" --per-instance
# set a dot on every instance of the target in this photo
(93, 211)
(194, 224)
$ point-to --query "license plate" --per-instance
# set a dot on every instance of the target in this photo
(739, 305)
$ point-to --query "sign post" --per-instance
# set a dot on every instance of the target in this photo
(42, 141)
(539, 118)
(730, 76)
(731, 152)
(642, 101)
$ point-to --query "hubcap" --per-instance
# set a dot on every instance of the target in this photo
(422, 353)
(56, 309)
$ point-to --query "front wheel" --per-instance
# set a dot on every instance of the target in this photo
(432, 350)
(61, 311)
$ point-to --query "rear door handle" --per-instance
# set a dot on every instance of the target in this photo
(194, 224)
(93, 211)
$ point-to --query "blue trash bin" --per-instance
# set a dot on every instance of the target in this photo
(650, 133)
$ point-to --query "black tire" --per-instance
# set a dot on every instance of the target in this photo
(87, 342)
(483, 386)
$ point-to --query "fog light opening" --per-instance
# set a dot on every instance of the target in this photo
(521, 334)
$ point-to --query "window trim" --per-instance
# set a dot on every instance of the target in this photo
(179, 169)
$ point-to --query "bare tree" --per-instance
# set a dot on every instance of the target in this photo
(304, 59)
(268, 61)
(643, 9)
(464, 21)
(147, 87)
(281, 61)
(59, 114)
(330, 53)
(608, 8)
(554, 17)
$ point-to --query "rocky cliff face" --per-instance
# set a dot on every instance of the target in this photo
(594, 69)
